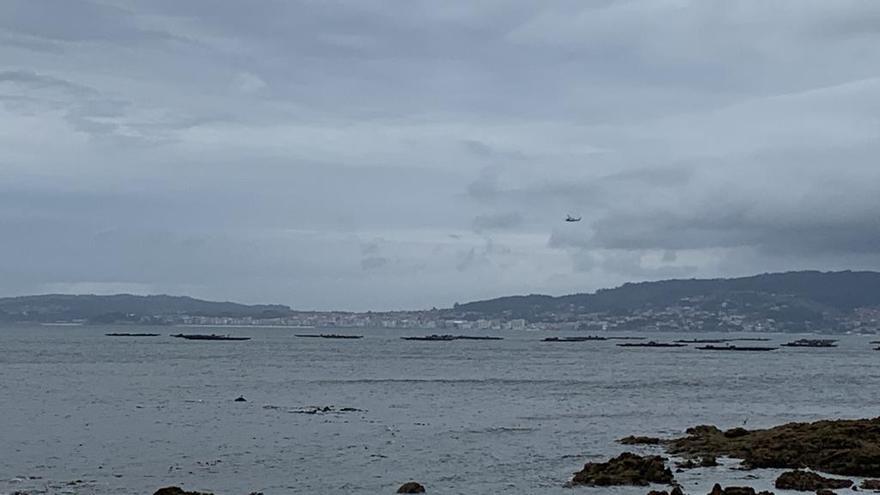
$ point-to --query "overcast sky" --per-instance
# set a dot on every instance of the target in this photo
(414, 153)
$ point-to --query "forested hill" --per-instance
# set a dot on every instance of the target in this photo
(813, 291)
(60, 307)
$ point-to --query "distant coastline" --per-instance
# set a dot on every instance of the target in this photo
(792, 302)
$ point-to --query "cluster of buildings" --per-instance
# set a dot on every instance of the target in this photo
(397, 319)
(686, 316)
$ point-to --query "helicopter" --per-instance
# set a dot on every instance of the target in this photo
(569, 218)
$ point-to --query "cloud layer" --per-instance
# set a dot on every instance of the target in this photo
(373, 155)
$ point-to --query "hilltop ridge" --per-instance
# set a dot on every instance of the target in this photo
(125, 307)
(789, 301)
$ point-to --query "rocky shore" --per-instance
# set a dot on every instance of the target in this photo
(838, 447)
(842, 447)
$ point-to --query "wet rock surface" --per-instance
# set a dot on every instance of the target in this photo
(639, 440)
(411, 487)
(625, 469)
(806, 481)
(843, 447)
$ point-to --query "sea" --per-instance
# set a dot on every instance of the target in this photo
(84, 413)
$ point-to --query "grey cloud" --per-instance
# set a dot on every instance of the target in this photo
(814, 223)
(486, 186)
(320, 154)
(31, 44)
(662, 176)
(481, 256)
(74, 21)
(580, 196)
(34, 80)
(630, 265)
(468, 259)
(862, 18)
(370, 248)
(491, 154)
(373, 262)
(498, 221)
(478, 148)
(86, 109)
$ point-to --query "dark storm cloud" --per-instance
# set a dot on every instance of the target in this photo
(327, 154)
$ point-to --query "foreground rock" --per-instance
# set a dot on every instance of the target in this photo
(806, 481)
(625, 469)
(870, 485)
(844, 447)
(176, 490)
(736, 490)
(411, 487)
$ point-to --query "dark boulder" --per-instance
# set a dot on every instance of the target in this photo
(736, 490)
(240, 398)
(806, 481)
(411, 487)
(625, 469)
(176, 490)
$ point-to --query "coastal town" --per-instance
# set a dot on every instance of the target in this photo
(670, 319)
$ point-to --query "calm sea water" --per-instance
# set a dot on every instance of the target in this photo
(88, 414)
